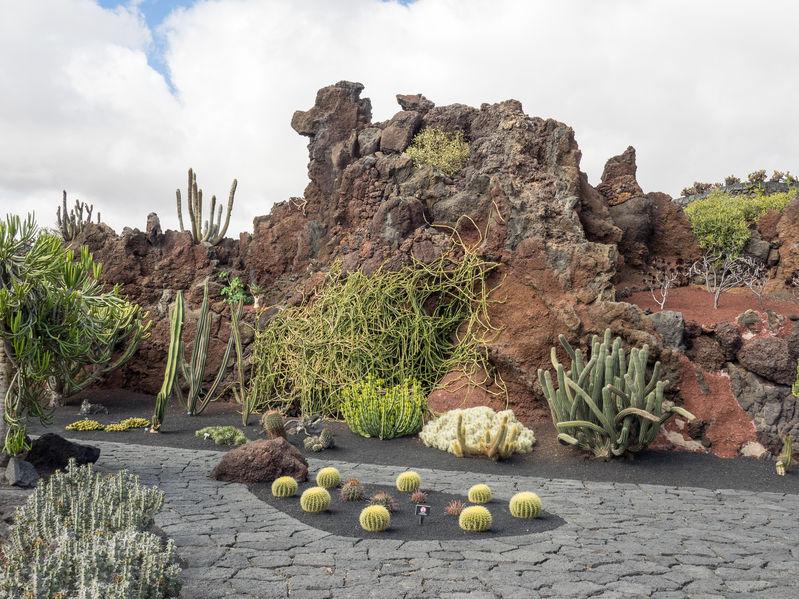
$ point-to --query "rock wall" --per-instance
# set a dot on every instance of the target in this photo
(521, 199)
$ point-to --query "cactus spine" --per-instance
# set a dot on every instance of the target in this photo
(480, 494)
(525, 505)
(475, 518)
(71, 221)
(375, 518)
(285, 486)
(272, 423)
(328, 478)
(408, 482)
(212, 231)
(315, 500)
(352, 490)
(606, 404)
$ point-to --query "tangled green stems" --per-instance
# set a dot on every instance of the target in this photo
(480, 493)
(408, 482)
(418, 322)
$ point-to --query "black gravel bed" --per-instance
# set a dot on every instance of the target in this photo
(342, 517)
(547, 460)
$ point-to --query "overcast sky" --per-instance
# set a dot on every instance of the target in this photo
(113, 101)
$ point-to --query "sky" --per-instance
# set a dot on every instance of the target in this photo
(114, 100)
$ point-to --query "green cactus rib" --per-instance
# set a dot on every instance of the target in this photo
(173, 355)
(606, 404)
(212, 230)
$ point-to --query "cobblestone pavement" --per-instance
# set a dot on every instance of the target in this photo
(619, 540)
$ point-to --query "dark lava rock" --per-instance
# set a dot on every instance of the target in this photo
(670, 325)
(20, 473)
(52, 452)
(769, 357)
(261, 462)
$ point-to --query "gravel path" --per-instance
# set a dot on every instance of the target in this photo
(619, 540)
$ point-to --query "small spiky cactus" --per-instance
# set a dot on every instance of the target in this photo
(284, 486)
(480, 494)
(375, 518)
(329, 478)
(352, 490)
(525, 505)
(320, 442)
(272, 423)
(475, 518)
(418, 497)
(455, 507)
(315, 500)
(384, 499)
(408, 482)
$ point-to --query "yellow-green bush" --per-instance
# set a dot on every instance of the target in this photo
(443, 150)
(371, 409)
(721, 221)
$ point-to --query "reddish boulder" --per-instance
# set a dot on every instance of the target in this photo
(618, 179)
(261, 462)
(400, 131)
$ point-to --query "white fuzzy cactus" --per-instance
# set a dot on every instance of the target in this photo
(82, 535)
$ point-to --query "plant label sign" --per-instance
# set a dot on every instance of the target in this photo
(422, 511)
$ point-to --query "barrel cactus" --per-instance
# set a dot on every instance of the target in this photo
(352, 490)
(475, 518)
(285, 486)
(480, 494)
(315, 500)
(375, 518)
(408, 482)
(418, 497)
(329, 478)
(272, 423)
(525, 505)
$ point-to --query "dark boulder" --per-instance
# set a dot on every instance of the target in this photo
(52, 452)
(20, 473)
(261, 462)
(769, 357)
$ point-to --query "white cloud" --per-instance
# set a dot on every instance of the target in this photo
(701, 88)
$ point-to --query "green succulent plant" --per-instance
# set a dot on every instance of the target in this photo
(375, 518)
(408, 482)
(315, 500)
(480, 493)
(475, 518)
(284, 486)
(329, 478)
(525, 505)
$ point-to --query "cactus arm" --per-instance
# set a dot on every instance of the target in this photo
(654, 380)
(591, 404)
(230, 200)
(567, 347)
(176, 328)
(636, 412)
(180, 209)
(566, 424)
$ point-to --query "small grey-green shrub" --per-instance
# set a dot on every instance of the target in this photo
(446, 151)
(82, 535)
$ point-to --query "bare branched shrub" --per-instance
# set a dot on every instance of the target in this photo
(662, 276)
(755, 275)
(731, 180)
(721, 272)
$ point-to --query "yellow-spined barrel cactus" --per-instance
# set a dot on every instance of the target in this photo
(480, 494)
(285, 486)
(408, 482)
(329, 478)
(375, 518)
(315, 500)
(525, 505)
(475, 518)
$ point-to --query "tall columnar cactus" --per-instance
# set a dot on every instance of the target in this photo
(212, 231)
(71, 221)
(606, 404)
(172, 364)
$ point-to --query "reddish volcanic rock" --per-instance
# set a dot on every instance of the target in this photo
(618, 179)
(261, 462)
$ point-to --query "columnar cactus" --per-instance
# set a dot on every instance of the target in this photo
(315, 500)
(328, 478)
(71, 222)
(480, 494)
(475, 518)
(607, 404)
(525, 505)
(284, 486)
(408, 482)
(375, 518)
(212, 230)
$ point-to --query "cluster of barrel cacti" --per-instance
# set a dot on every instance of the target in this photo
(191, 372)
(72, 221)
(211, 231)
(606, 404)
(80, 532)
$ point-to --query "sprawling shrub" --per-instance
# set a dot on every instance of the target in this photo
(418, 323)
(81, 534)
(443, 150)
(721, 221)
